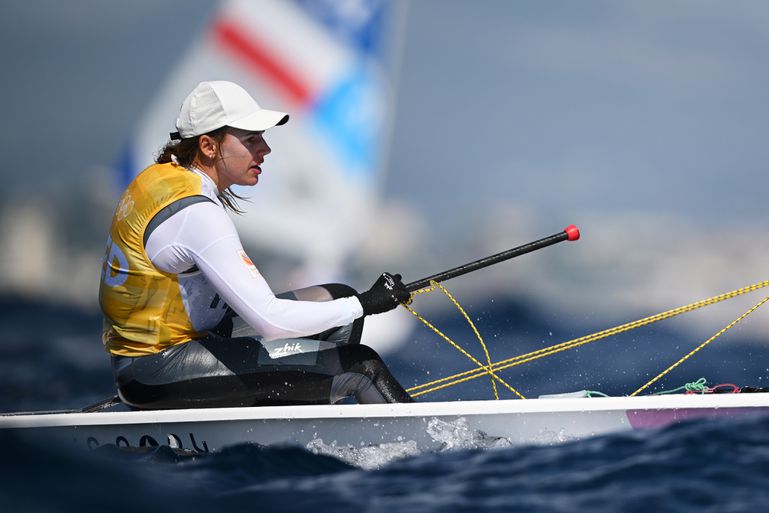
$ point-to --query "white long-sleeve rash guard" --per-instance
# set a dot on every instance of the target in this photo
(203, 235)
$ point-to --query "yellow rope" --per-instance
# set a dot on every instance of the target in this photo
(708, 341)
(462, 377)
(484, 369)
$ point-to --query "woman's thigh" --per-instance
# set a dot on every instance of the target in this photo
(216, 371)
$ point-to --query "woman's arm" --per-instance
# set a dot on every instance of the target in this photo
(204, 235)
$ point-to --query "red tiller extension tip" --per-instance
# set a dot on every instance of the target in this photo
(572, 231)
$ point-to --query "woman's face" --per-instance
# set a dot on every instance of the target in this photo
(240, 157)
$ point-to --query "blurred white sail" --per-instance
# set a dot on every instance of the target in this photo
(327, 63)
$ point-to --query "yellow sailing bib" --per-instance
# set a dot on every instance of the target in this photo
(143, 307)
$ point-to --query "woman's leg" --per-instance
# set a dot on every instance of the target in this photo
(365, 377)
(220, 372)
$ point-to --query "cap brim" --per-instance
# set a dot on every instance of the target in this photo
(261, 120)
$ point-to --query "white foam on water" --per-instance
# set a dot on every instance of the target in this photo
(457, 435)
(369, 457)
(447, 435)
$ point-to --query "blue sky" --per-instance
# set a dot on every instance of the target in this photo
(574, 106)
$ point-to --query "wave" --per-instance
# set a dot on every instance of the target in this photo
(702, 465)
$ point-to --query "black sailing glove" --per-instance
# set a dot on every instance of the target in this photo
(386, 293)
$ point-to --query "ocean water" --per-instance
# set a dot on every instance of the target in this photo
(51, 358)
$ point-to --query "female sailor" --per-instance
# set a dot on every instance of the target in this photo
(189, 319)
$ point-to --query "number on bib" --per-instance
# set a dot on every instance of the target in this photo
(114, 253)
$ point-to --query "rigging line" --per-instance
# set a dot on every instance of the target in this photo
(461, 377)
(700, 386)
(475, 330)
(708, 341)
(484, 369)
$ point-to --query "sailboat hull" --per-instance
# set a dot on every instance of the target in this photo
(534, 421)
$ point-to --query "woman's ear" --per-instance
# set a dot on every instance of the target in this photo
(207, 146)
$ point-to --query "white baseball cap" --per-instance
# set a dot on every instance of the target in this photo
(219, 103)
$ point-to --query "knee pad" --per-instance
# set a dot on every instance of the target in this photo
(361, 359)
